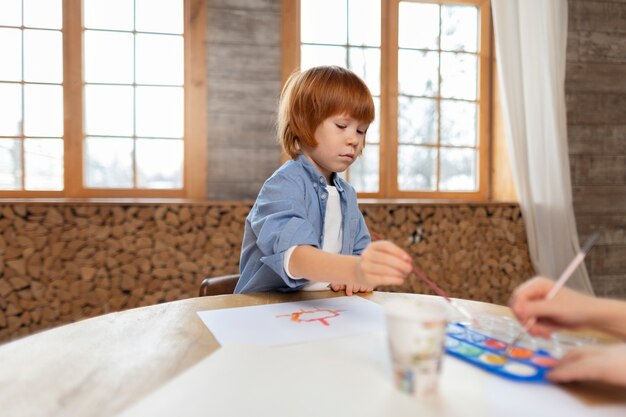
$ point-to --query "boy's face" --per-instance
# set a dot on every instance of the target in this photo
(340, 140)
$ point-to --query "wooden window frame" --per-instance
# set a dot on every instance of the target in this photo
(388, 184)
(195, 106)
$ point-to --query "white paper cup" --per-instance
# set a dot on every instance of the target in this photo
(416, 330)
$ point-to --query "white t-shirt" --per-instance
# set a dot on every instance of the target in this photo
(332, 239)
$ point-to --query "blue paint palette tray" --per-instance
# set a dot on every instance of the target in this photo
(490, 353)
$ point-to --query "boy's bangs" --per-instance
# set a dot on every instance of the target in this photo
(354, 101)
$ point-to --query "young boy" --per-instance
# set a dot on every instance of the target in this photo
(305, 230)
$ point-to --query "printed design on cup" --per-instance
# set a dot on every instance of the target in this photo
(321, 315)
(416, 331)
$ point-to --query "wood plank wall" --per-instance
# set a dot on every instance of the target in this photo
(596, 103)
(243, 61)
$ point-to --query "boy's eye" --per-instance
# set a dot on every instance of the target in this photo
(360, 132)
(340, 126)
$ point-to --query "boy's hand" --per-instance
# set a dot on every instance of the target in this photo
(382, 263)
(350, 289)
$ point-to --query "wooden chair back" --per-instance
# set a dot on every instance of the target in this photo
(218, 285)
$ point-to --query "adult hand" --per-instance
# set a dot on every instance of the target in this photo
(604, 363)
(567, 309)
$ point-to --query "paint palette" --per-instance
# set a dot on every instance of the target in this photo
(489, 353)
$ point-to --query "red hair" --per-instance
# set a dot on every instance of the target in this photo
(311, 96)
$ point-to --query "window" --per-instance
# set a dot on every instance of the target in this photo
(427, 65)
(101, 98)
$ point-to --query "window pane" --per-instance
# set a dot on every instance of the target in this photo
(108, 57)
(10, 109)
(373, 132)
(312, 56)
(159, 16)
(417, 120)
(43, 14)
(417, 168)
(109, 110)
(458, 169)
(418, 73)
(159, 163)
(160, 112)
(458, 123)
(43, 56)
(160, 59)
(109, 162)
(458, 76)
(11, 53)
(418, 25)
(459, 28)
(323, 21)
(43, 164)
(364, 171)
(364, 23)
(43, 110)
(108, 14)
(365, 62)
(11, 12)
(10, 164)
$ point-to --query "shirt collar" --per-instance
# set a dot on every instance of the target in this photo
(315, 176)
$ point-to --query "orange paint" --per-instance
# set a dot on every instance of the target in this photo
(520, 353)
(297, 316)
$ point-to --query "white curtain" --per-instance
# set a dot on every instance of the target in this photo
(531, 37)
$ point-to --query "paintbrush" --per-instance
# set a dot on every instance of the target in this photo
(443, 294)
(567, 273)
(436, 289)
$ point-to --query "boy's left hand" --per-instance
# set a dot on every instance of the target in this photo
(351, 288)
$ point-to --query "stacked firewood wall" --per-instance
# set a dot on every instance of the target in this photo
(61, 262)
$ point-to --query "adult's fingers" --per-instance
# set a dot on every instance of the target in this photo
(533, 289)
(579, 364)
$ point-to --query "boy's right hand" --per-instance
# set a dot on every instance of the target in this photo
(383, 263)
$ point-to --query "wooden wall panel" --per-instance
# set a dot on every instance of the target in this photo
(596, 104)
(597, 16)
(598, 169)
(601, 139)
(595, 108)
(612, 228)
(243, 83)
(596, 77)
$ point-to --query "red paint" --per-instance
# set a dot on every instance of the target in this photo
(495, 344)
(544, 361)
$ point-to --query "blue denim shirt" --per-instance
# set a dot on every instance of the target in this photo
(290, 211)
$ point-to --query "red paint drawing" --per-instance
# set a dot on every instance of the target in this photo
(317, 314)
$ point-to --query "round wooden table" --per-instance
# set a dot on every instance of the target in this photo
(99, 366)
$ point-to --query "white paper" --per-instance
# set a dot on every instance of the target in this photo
(340, 377)
(345, 377)
(297, 322)
(513, 399)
